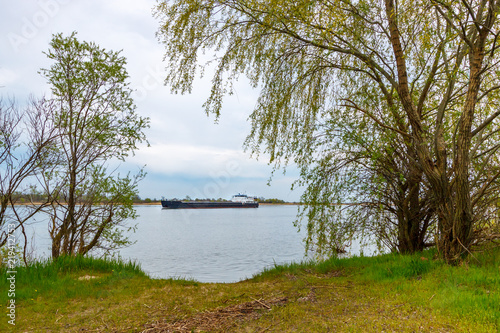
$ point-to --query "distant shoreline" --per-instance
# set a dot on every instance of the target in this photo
(280, 204)
(260, 203)
(159, 203)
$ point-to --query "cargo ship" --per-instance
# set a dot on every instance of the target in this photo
(237, 201)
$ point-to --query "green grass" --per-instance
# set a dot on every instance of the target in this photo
(362, 294)
(469, 292)
(59, 277)
(380, 268)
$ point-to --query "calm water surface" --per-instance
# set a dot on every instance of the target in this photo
(208, 245)
(214, 245)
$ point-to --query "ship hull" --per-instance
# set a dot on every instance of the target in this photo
(175, 204)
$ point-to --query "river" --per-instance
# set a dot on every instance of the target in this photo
(214, 245)
(207, 245)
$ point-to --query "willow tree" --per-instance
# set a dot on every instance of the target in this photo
(363, 182)
(96, 123)
(419, 74)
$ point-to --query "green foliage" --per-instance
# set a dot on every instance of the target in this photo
(387, 107)
(89, 83)
(11, 255)
(96, 123)
(271, 200)
(316, 103)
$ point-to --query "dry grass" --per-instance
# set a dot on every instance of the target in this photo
(303, 299)
(223, 319)
(306, 303)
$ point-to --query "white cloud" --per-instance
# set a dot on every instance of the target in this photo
(7, 76)
(187, 148)
(199, 161)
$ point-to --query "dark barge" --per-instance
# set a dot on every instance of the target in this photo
(238, 201)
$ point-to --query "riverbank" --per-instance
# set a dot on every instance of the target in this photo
(158, 203)
(384, 293)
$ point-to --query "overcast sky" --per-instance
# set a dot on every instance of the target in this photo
(189, 153)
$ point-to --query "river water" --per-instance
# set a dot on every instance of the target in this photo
(207, 245)
(214, 245)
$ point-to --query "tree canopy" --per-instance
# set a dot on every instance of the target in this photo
(388, 106)
(96, 122)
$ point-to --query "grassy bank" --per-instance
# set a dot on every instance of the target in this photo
(384, 293)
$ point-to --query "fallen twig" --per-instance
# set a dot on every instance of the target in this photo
(267, 306)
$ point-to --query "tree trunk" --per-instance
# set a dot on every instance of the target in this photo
(457, 237)
(411, 224)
